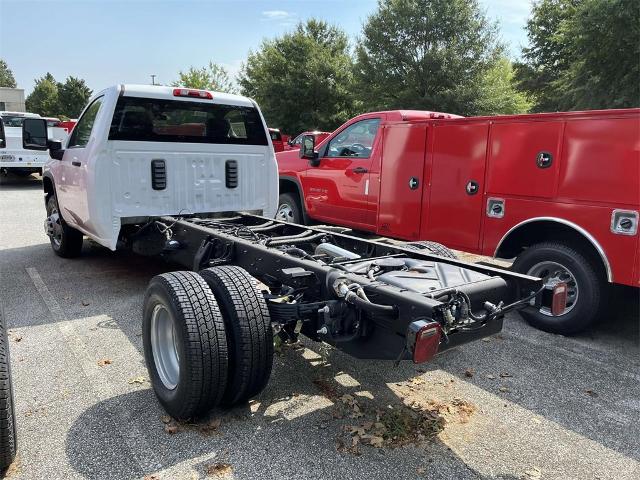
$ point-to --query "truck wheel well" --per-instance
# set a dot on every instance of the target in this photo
(288, 186)
(49, 190)
(535, 232)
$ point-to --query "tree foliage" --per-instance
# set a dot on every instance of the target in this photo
(50, 98)
(44, 98)
(211, 77)
(6, 75)
(583, 54)
(303, 79)
(433, 55)
(73, 95)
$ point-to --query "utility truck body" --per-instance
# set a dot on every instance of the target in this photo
(559, 192)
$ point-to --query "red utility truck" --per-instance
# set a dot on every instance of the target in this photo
(559, 192)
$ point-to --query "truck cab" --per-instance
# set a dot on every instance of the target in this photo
(142, 151)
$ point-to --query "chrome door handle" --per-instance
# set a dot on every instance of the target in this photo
(359, 170)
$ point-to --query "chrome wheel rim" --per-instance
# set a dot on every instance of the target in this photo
(285, 213)
(53, 227)
(553, 273)
(164, 348)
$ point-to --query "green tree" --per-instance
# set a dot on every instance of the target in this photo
(6, 75)
(430, 54)
(73, 95)
(211, 77)
(303, 79)
(498, 93)
(44, 97)
(582, 54)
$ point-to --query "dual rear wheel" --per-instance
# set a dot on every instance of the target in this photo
(207, 339)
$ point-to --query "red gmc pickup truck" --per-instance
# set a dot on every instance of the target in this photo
(557, 192)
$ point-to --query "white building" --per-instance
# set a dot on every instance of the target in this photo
(12, 99)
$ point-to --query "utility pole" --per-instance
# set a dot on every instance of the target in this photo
(153, 79)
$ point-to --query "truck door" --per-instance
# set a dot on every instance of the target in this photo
(72, 187)
(402, 180)
(337, 189)
(456, 185)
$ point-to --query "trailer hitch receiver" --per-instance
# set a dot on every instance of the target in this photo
(423, 340)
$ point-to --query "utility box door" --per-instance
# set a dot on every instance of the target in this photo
(457, 185)
(402, 180)
(525, 159)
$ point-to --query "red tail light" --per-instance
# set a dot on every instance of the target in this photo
(559, 300)
(423, 340)
(189, 92)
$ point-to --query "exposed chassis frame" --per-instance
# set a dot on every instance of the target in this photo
(251, 242)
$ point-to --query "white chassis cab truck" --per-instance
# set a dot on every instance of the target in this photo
(190, 175)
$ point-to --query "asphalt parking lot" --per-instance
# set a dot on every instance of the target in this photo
(539, 405)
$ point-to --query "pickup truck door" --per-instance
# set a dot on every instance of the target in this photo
(337, 189)
(71, 186)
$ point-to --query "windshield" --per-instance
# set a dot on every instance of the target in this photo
(155, 120)
(12, 120)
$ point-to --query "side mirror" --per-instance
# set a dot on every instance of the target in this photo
(34, 134)
(55, 149)
(307, 150)
(290, 142)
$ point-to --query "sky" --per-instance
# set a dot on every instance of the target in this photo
(109, 41)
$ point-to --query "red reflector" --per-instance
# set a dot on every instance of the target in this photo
(189, 92)
(559, 301)
(423, 339)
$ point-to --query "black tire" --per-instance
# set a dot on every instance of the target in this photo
(8, 437)
(69, 242)
(249, 333)
(199, 340)
(590, 288)
(432, 247)
(289, 202)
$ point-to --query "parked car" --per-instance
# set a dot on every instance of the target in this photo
(557, 192)
(129, 176)
(294, 143)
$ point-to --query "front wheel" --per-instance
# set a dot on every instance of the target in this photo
(289, 209)
(65, 241)
(557, 262)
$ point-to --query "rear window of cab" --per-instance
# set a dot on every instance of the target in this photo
(155, 120)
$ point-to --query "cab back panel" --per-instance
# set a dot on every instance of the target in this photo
(196, 182)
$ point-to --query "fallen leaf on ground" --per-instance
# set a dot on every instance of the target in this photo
(491, 377)
(591, 393)
(151, 477)
(469, 372)
(165, 418)
(137, 380)
(218, 469)
(103, 362)
(533, 474)
(85, 303)
(421, 470)
(504, 389)
(171, 428)
(17, 337)
(505, 375)
(210, 428)
(486, 339)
